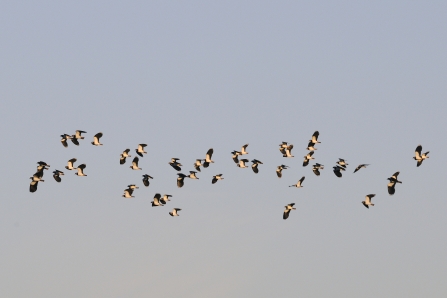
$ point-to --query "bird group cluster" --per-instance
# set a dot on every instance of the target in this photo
(285, 148)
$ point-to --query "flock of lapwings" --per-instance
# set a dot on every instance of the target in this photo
(285, 148)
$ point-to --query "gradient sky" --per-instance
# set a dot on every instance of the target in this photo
(185, 76)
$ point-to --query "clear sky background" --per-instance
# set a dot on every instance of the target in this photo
(185, 76)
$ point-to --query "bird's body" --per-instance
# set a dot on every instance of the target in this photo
(392, 184)
(363, 165)
(166, 197)
(316, 168)
(77, 136)
(140, 150)
(175, 164)
(341, 162)
(289, 207)
(134, 165)
(308, 158)
(156, 202)
(174, 212)
(57, 174)
(216, 178)
(367, 201)
(283, 147)
(192, 175)
(279, 170)
(255, 164)
(242, 164)
(299, 183)
(419, 156)
(288, 151)
(146, 178)
(243, 149)
(209, 155)
(123, 156)
(96, 139)
(235, 156)
(70, 163)
(198, 164)
(338, 170)
(311, 146)
(180, 180)
(80, 169)
(64, 139)
(315, 138)
(128, 193)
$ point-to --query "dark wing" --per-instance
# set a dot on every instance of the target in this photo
(315, 136)
(177, 168)
(255, 168)
(419, 163)
(57, 178)
(286, 214)
(135, 161)
(302, 179)
(64, 143)
(310, 144)
(98, 135)
(209, 153)
(33, 186)
(365, 204)
(197, 168)
(122, 160)
(338, 173)
(146, 182)
(139, 153)
(205, 165)
(395, 175)
(214, 180)
(82, 166)
(305, 162)
(418, 152)
(75, 141)
(391, 189)
(316, 172)
(235, 159)
(279, 174)
(180, 182)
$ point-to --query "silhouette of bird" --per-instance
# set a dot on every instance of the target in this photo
(338, 170)
(180, 180)
(64, 139)
(96, 139)
(279, 170)
(367, 201)
(124, 155)
(57, 174)
(255, 164)
(174, 212)
(419, 156)
(287, 210)
(217, 177)
(316, 168)
(140, 150)
(363, 165)
(175, 164)
(208, 156)
(299, 183)
(146, 178)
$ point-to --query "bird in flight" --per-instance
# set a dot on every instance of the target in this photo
(57, 174)
(316, 168)
(299, 183)
(255, 164)
(174, 212)
(123, 156)
(279, 170)
(419, 156)
(134, 165)
(175, 164)
(208, 156)
(140, 150)
(363, 165)
(216, 178)
(146, 178)
(287, 210)
(367, 201)
(80, 169)
(96, 139)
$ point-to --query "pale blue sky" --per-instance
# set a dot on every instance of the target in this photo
(184, 76)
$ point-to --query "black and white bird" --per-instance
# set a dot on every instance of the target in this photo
(255, 165)
(37, 177)
(77, 136)
(419, 156)
(132, 186)
(243, 149)
(80, 169)
(242, 164)
(180, 180)
(64, 139)
(134, 165)
(299, 183)
(156, 202)
(123, 156)
(140, 150)
(338, 170)
(315, 138)
(308, 158)
(288, 151)
(279, 170)
(146, 178)
(192, 175)
(287, 210)
(392, 184)
(367, 201)
(43, 164)
(363, 165)
(166, 197)
(341, 162)
(174, 212)
(311, 146)
(198, 164)
(128, 193)
(175, 164)
(216, 178)
(70, 163)
(57, 174)
(96, 138)
(235, 156)
(283, 147)
(209, 155)
(316, 168)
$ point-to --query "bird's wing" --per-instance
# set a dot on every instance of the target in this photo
(418, 152)
(122, 160)
(135, 161)
(214, 180)
(286, 214)
(209, 153)
(64, 143)
(82, 166)
(75, 141)
(315, 136)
